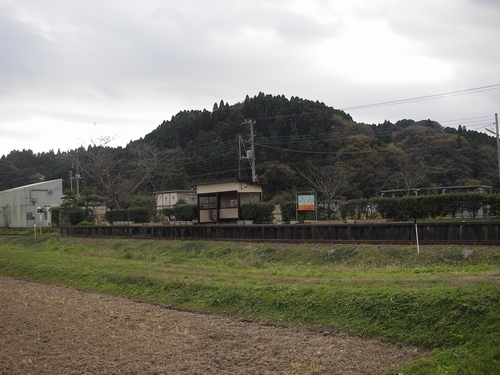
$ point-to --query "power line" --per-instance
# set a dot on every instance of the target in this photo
(426, 97)
(291, 150)
(460, 120)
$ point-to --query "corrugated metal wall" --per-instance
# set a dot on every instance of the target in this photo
(18, 206)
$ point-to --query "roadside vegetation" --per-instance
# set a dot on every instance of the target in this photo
(445, 299)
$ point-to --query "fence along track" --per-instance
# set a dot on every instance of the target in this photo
(481, 232)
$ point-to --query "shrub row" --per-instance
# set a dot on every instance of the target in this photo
(182, 212)
(137, 215)
(258, 212)
(288, 210)
(401, 209)
(404, 208)
(426, 206)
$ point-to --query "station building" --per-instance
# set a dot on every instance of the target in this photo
(221, 201)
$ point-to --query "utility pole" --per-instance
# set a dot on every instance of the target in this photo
(252, 149)
(239, 157)
(77, 176)
(498, 144)
(71, 180)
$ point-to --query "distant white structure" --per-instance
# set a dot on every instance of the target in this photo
(169, 198)
(29, 205)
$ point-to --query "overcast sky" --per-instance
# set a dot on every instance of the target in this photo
(72, 71)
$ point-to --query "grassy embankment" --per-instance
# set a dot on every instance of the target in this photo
(436, 299)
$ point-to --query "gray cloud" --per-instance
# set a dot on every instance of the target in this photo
(129, 65)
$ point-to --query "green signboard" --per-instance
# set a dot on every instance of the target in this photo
(306, 202)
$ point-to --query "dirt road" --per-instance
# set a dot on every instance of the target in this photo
(47, 329)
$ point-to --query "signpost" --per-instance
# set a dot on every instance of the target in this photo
(306, 202)
(40, 210)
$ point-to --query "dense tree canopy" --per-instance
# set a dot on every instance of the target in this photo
(292, 137)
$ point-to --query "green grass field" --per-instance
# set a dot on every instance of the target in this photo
(435, 299)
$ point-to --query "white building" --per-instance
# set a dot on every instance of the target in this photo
(169, 198)
(29, 205)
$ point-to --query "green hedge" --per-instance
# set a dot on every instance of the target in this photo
(137, 215)
(288, 210)
(75, 216)
(412, 207)
(433, 206)
(258, 212)
(494, 202)
(407, 208)
(182, 212)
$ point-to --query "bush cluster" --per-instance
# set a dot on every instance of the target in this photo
(75, 216)
(182, 212)
(137, 215)
(413, 208)
(258, 212)
(288, 210)
(433, 206)
(400, 209)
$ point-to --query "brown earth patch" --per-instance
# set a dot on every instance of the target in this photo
(48, 329)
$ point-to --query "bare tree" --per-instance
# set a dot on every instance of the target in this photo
(406, 171)
(120, 172)
(329, 180)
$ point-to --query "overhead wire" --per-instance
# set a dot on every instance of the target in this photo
(289, 139)
(217, 151)
(426, 97)
(466, 119)
(266, 142)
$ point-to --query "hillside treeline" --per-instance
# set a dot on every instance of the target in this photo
(300, 145)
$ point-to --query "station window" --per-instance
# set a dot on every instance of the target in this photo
(208, 202)
(249, 197)
(229, 199)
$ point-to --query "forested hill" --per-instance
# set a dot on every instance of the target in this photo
(299, 145)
